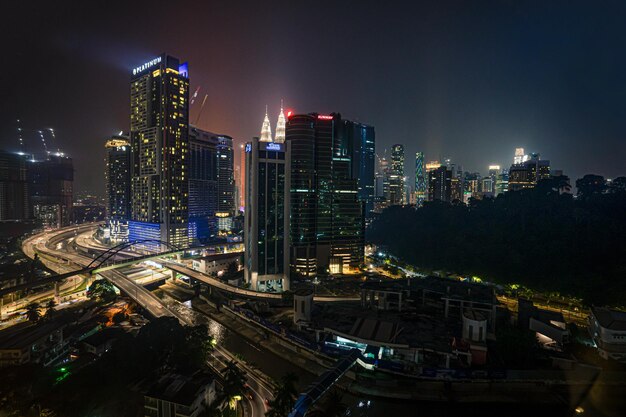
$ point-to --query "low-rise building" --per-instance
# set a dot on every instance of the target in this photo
(176, 395)
(549, 326)
(608, 330)
(214, 264)
(32, 343)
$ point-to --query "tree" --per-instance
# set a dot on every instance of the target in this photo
(285, 396)
(590, 185)
(232, 269)
(101, 289)
(50, 312)
(32, 312)
(234, 383)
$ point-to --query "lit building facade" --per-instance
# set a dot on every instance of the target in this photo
(202, 184)
(420, 179)
(51, 184)
(117, 177)
(266, 223)
(361, 142)
(440, 184)
(14, 187)
(396, 175)
(528, 173)
(326, 220)
(225, 182)
(430, 166)
(159, 137)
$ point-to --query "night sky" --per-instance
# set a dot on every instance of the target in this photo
(469, 80)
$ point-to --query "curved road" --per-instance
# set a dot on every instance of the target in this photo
(47, 244)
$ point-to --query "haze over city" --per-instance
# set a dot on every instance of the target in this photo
(452, 79)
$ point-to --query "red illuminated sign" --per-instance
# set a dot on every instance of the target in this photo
(324, 117)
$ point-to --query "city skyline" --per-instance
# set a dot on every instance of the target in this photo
(544, 98)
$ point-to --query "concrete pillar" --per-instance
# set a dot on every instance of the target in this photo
(172, 275)
(57, 297)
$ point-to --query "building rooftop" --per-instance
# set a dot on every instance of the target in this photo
(23, 335)
(610, 319)
(448, 288)
(382, 328)
(180, 389)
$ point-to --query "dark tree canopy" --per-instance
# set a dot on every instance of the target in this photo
(539, 237)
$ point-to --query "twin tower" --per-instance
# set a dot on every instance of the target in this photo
(266, 129)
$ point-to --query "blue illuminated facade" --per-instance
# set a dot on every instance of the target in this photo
(420, 179)
(361, 142)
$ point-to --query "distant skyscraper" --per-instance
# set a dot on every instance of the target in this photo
(440, 184)
(266, 129)
(280, 126)
(396, 175)
(502, 182)
(14, 187)
(266, 220)
(159, 128)
(361, 142)
(430, 166)
(326, 220)
(520, 156)
(420, 179)
(528, 173)
(494, 171)
(381, 185)
(51, 189)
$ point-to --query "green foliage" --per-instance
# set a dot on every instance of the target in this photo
(285, 396)
(538, 237)
(32, 312)
(101, 289)
(234, 381)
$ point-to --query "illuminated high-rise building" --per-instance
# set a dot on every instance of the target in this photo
(528, 173)
(396, 175)
(420, 179)
(494, 171)
(117, 176)
(440, 184)
(14, 187)
(429, 166)
(361, 142)
(280, 126)
(51, 189)
(242, 175)
(159, 130)
(202, 184)
(502, 182)
(326, 229)
(266, 129)
(266, 220)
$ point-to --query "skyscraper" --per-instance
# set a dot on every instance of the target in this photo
(117, 177)
(51, 183)
(266, 129)
(361, 142)
(326, 220)
(202, 184)
(280, 126)
(430, 166)
(14, 187)
(440, 184)
(494, 171)
(242, 176)
(420, 179)
(265, 218)
(396, 175)
(225, 175)
(159, 128)
(528, 173)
